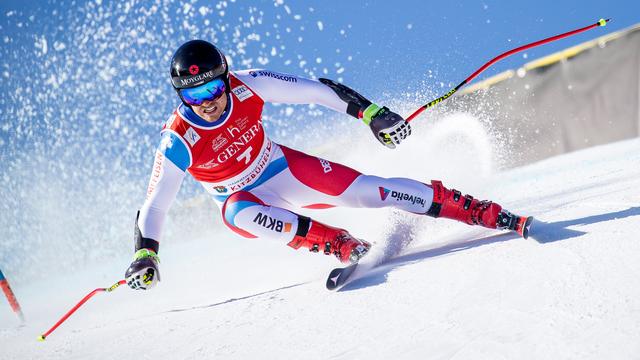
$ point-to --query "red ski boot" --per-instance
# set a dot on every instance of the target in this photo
(451, 204)
(330, 240)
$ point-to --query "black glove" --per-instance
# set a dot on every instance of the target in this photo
(388, 127)
(143, 272)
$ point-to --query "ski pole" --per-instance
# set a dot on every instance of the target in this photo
(109, 289)
(601, 22)
(13, 302)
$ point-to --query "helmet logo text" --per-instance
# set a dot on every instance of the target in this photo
(197, 79)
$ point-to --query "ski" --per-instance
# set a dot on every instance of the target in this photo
(338, 277)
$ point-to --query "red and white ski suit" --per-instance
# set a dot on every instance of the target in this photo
(257, 183)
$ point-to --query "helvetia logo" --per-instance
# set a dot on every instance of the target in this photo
(400, 196)
(384, 193)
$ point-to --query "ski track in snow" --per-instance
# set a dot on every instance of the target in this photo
(449, 291)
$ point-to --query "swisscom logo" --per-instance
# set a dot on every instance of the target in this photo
(283, 77)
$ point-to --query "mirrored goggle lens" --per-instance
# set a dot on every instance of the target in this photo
(206, 92)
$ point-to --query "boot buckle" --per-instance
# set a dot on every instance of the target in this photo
(357, 253)
(506, 220)
(327, 248)
(468, 199)
(477, 211)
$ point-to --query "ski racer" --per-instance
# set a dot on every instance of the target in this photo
(216, 135)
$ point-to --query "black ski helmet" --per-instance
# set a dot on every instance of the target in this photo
(197, 62)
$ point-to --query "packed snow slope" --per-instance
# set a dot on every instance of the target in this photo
(571, 291)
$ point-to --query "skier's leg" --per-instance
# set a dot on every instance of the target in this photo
(247, 215)
(314, 183)
(434, 200)
(320, 183)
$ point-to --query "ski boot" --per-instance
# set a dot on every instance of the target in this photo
(330, 240)
(451, 204)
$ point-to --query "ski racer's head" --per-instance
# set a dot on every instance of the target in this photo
(200, 76)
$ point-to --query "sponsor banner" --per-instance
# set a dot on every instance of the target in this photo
(246, 178)
(208, 165)
(238, 147)
(239, 143)
(242, 92)
(219, 142)
(326, 165)
(283, 77)
(270, 223)
(196, 79)
(191, 136)
(387, 194)
(155, 173)
(220, 189)
(255, 173)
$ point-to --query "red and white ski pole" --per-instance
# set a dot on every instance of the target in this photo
(13, 302)
(601, 22)
(73, 309)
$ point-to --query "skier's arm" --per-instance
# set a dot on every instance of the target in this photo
(388, 127)
(171, 161)
(290, 89)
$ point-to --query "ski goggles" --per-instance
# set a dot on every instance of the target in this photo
(205, 92)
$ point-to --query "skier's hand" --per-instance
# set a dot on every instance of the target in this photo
(143, 272)
(388, 127)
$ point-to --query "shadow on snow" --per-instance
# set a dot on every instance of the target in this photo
(542, 232)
